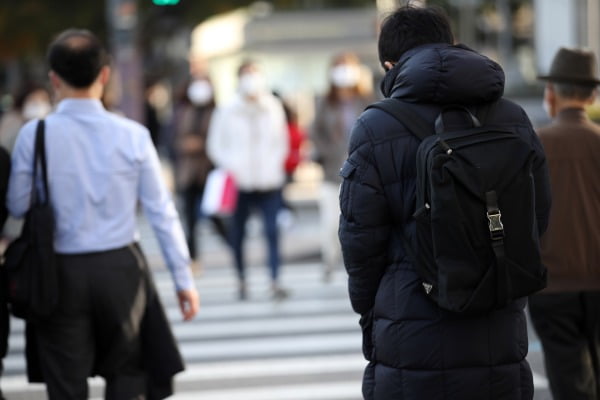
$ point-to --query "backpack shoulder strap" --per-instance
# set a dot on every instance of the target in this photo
(413, 122)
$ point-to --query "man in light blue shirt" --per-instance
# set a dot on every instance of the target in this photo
(100, 166)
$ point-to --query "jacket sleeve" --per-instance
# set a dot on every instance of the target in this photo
(365, 221)
(162, 215)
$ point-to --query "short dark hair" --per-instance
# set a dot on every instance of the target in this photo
(574, 90)
(77, 56)
(409, 27)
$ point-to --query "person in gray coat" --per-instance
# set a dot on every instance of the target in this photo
(336, 112)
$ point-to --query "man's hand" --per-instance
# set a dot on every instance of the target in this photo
(189, 303)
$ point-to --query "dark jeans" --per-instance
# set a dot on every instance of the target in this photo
(269, 204)
(96, 326)
(568, 325)
(192, 195)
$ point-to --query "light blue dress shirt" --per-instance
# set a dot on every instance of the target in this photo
(100, 165)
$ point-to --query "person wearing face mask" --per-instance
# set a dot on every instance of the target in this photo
(30, 102)
(248, 137)
(330, 133)
(192, 164)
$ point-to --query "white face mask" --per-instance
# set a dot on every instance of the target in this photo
(200, 92)
(36, 109)
(252, 84)
(345, 75)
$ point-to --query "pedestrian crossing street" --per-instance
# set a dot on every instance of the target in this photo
(305, 347)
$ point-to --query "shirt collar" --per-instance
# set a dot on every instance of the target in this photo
(572, 114)
(80, 105)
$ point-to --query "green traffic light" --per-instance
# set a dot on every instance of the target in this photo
(165, 2)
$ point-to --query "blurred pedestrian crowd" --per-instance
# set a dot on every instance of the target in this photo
(256, 137)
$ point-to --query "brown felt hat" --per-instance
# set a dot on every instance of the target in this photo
(573, 66)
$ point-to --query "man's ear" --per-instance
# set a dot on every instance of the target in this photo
(104, 75)
(54, 79)
(387, 65)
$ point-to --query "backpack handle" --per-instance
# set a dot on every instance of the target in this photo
(439, 121)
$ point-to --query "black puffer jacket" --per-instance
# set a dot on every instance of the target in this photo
(416, 350)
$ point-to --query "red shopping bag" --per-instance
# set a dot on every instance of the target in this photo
(220, 193)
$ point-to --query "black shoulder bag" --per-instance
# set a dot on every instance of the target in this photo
(30, 261)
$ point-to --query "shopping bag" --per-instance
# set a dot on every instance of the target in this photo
(220, 193)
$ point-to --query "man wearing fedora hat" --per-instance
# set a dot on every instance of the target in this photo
(566, 315)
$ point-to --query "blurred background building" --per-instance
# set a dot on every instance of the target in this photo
(156, 40)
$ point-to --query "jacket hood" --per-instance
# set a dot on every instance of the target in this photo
(444, 74)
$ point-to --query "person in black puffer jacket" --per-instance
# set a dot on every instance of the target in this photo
(415, 349)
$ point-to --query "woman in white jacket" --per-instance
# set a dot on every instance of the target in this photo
(248, 137)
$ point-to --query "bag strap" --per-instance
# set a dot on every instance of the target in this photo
(399, 110)
(496, 228)
(418, 127)
(39, 157)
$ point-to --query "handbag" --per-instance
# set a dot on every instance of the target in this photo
(220, 193)
(30, 261)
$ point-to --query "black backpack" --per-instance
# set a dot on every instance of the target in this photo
(477, 241)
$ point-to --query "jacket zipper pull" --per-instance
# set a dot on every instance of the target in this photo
(445, 146)
(421, 210)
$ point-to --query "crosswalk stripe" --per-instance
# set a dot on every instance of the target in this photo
(265, 367)
(276, 346)
(236, 329)
(306, 391)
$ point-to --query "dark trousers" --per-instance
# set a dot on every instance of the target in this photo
(269, 204)
(96, 327)
(568, 325)
(192, 195)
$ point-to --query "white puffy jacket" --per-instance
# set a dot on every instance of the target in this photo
(250, 140)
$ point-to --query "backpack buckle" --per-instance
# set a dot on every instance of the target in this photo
(495, 224)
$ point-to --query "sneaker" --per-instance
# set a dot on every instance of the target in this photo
(279, 293)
